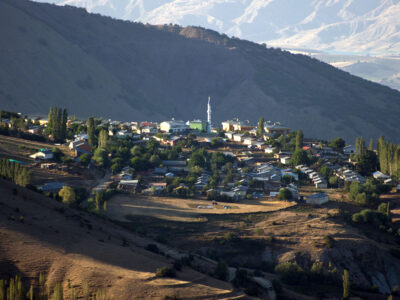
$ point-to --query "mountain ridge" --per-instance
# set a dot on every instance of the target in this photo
(346, 26)
(95, 65)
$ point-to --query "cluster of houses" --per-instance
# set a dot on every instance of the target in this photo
(316, 178)
(265, 175)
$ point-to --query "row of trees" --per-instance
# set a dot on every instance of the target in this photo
(13, 289)
(57, 124)
(389, 157)
(15, 172)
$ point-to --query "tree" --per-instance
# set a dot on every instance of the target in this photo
(260, 127)
(337, 144)
(333, 181)
(103, 139)
(367, 163)
(346, 284)
(91, 132)
(155, 160)
(371, 145)
(325, 171)
(67, 195)
(100, 157)
(299, 157)
(285, 194)
(216, 142)
(299, 139)
(85, 159)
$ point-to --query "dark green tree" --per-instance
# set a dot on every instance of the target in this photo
(91, 132)
(260, 127)
(299, 139)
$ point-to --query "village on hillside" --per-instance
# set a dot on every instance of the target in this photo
(232, 162)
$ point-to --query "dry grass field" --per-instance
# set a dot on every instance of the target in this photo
(74, 248)
(184, 210)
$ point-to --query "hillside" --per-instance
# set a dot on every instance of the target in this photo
(75, 249)
(95, 65)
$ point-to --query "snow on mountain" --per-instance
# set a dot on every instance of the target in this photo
(344, 26)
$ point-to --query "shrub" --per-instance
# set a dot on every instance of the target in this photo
(259, 231)
(152, 248)
(165, 272)
(221, 271)
(230, 237)
(290, 273)
(329, 241)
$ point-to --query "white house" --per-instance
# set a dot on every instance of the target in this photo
(285, 160)
(320, 184)
(173, 126)
(317, 199)
(42, 154)
(229, 135)
(269, 150)
(238, 137)
(248, 141)
(350, 149)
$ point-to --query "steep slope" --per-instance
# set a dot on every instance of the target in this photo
(356, 26)
(95, 65)
(75, 249)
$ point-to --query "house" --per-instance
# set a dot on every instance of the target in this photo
(129, 186)
(42, 154)
(173, 126)
(229, 135)
(269, 149)
(83, 148)
(199, 125)
(158, 185)
(320, 184)
(172, 141)
(350, 149)
(51, 187)
(34, 129)
(148, 130)
(285, 160)
(248, 141)
(380, 176)
(272, 128)
(317, 199)
(236, 125)
(238, 137)
(175, 165)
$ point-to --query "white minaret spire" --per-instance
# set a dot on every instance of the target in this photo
(209, 115)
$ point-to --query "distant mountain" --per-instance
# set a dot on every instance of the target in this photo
(356, 26)
(95, 65)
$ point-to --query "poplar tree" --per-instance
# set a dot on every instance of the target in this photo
(346, 284)
(371, 145)
(91, 131)
(299, 139)
(103, 137)
(260, 127)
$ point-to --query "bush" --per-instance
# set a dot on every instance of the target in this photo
(165, 272)
(221, 271)
(285, 194)
(329, 241)
(152, 248)
(290, 273)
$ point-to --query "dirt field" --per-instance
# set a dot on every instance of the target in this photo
(75, 248)
(184, 210)
(20, 149)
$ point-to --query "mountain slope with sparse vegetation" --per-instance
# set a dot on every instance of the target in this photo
(95, 65)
